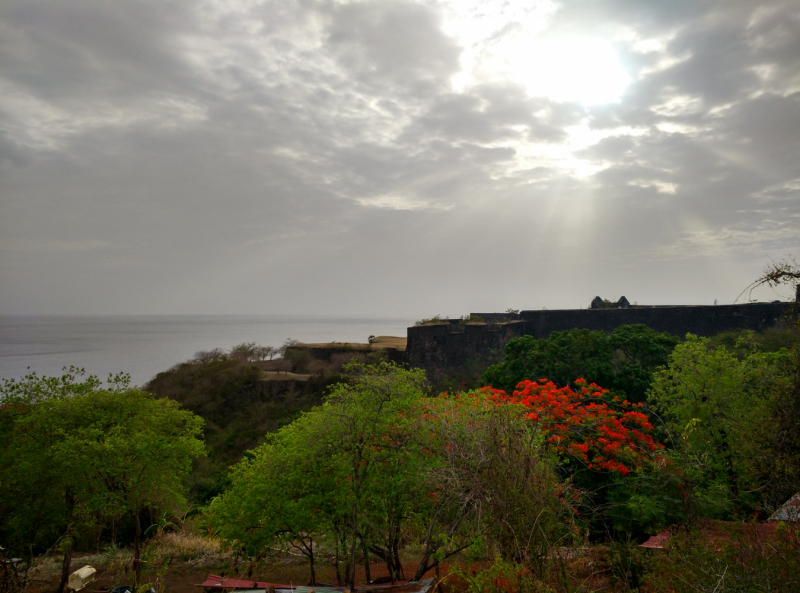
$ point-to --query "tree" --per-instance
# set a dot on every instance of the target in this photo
(639, 352)
(622, 361)
(785, 272)
(584, 426)
(105, 453)
(266, 352)
(344, 471)
(491, 479)
(714, 404)
(207, 356)
(287, 343)
(31, 517)
(563, 357)
(277, 499)
(245, 352)
(355, 428)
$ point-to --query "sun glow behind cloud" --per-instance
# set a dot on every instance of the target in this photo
(578, 69)
(518, 44)
(514, 43)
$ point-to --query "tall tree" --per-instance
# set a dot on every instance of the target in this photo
(105, 453)
(714, 405)
(343, 471)
(622, 361)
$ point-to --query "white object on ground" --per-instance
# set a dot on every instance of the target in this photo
(81, 577)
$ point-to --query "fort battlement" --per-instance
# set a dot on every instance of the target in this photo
(452, 343)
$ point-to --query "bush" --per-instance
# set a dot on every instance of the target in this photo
(501, 577)
(435, 320)
(739, 560)
(471, 319)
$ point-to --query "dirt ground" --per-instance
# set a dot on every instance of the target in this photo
(184, 577)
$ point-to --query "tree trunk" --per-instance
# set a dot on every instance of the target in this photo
(423, 567)
(137, 564)
(65, 566)
(67, 562)
(351, 561)
(398, 566)
(114, 531)
(365, 551)
(337, 561)
(311, 562)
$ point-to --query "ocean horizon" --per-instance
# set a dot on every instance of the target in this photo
(144, 345)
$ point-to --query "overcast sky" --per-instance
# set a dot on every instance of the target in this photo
(393, 156)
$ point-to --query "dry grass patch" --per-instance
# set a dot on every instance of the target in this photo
(185, 547)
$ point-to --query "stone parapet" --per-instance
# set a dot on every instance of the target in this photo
(439, 348)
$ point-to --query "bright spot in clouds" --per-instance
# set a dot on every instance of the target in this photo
(568, 69)
(512, 43)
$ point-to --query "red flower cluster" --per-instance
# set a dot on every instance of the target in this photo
(583, 425)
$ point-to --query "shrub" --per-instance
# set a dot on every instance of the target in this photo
(501, 577)
(739, 560)
(435, 320)
(471, 318)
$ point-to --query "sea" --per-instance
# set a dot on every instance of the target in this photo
(143, 346)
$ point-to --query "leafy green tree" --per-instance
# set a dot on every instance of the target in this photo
(277, 499)
(102, 453)
(563, 357)
(33, 521)
(777, 440)
(639, 351)
(714, 404)
(342, 471)
(356, 427)
(622, 361)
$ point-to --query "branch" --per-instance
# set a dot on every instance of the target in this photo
(784, 272)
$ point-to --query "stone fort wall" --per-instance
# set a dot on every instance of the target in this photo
(437, 348)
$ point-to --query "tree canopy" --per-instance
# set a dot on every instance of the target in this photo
(622, 361)
(76, 455)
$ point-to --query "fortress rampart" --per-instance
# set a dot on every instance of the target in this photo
(437, 348)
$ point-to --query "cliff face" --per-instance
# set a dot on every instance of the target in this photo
(437, 348)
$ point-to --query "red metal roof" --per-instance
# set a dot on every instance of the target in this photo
(718, 532)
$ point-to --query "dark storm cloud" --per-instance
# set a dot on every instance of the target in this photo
(318, 156)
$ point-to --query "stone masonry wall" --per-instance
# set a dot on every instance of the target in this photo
(437, 348)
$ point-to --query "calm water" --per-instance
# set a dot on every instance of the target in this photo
(146, 345)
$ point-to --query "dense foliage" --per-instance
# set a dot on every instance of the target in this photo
(344, 469)
(622, 361)
(77, 458)
(721, 411)
(585, 426)
(378, 460)
(239, 410)
(583, 437)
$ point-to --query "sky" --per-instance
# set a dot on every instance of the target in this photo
(394, 157)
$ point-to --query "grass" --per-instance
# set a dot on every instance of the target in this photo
(435, 320)
(185, 547)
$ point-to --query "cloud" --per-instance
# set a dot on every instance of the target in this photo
(62, 246)
(462, 155)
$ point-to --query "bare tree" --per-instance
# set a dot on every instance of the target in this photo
(288, 343)
(782, 273)
(206, 356)
(265, 352)
(246, 352)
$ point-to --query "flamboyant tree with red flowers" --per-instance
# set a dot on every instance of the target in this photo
(598, 430)
(619, 475)
(589, 426)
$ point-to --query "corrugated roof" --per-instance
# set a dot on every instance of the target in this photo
(789, 511)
